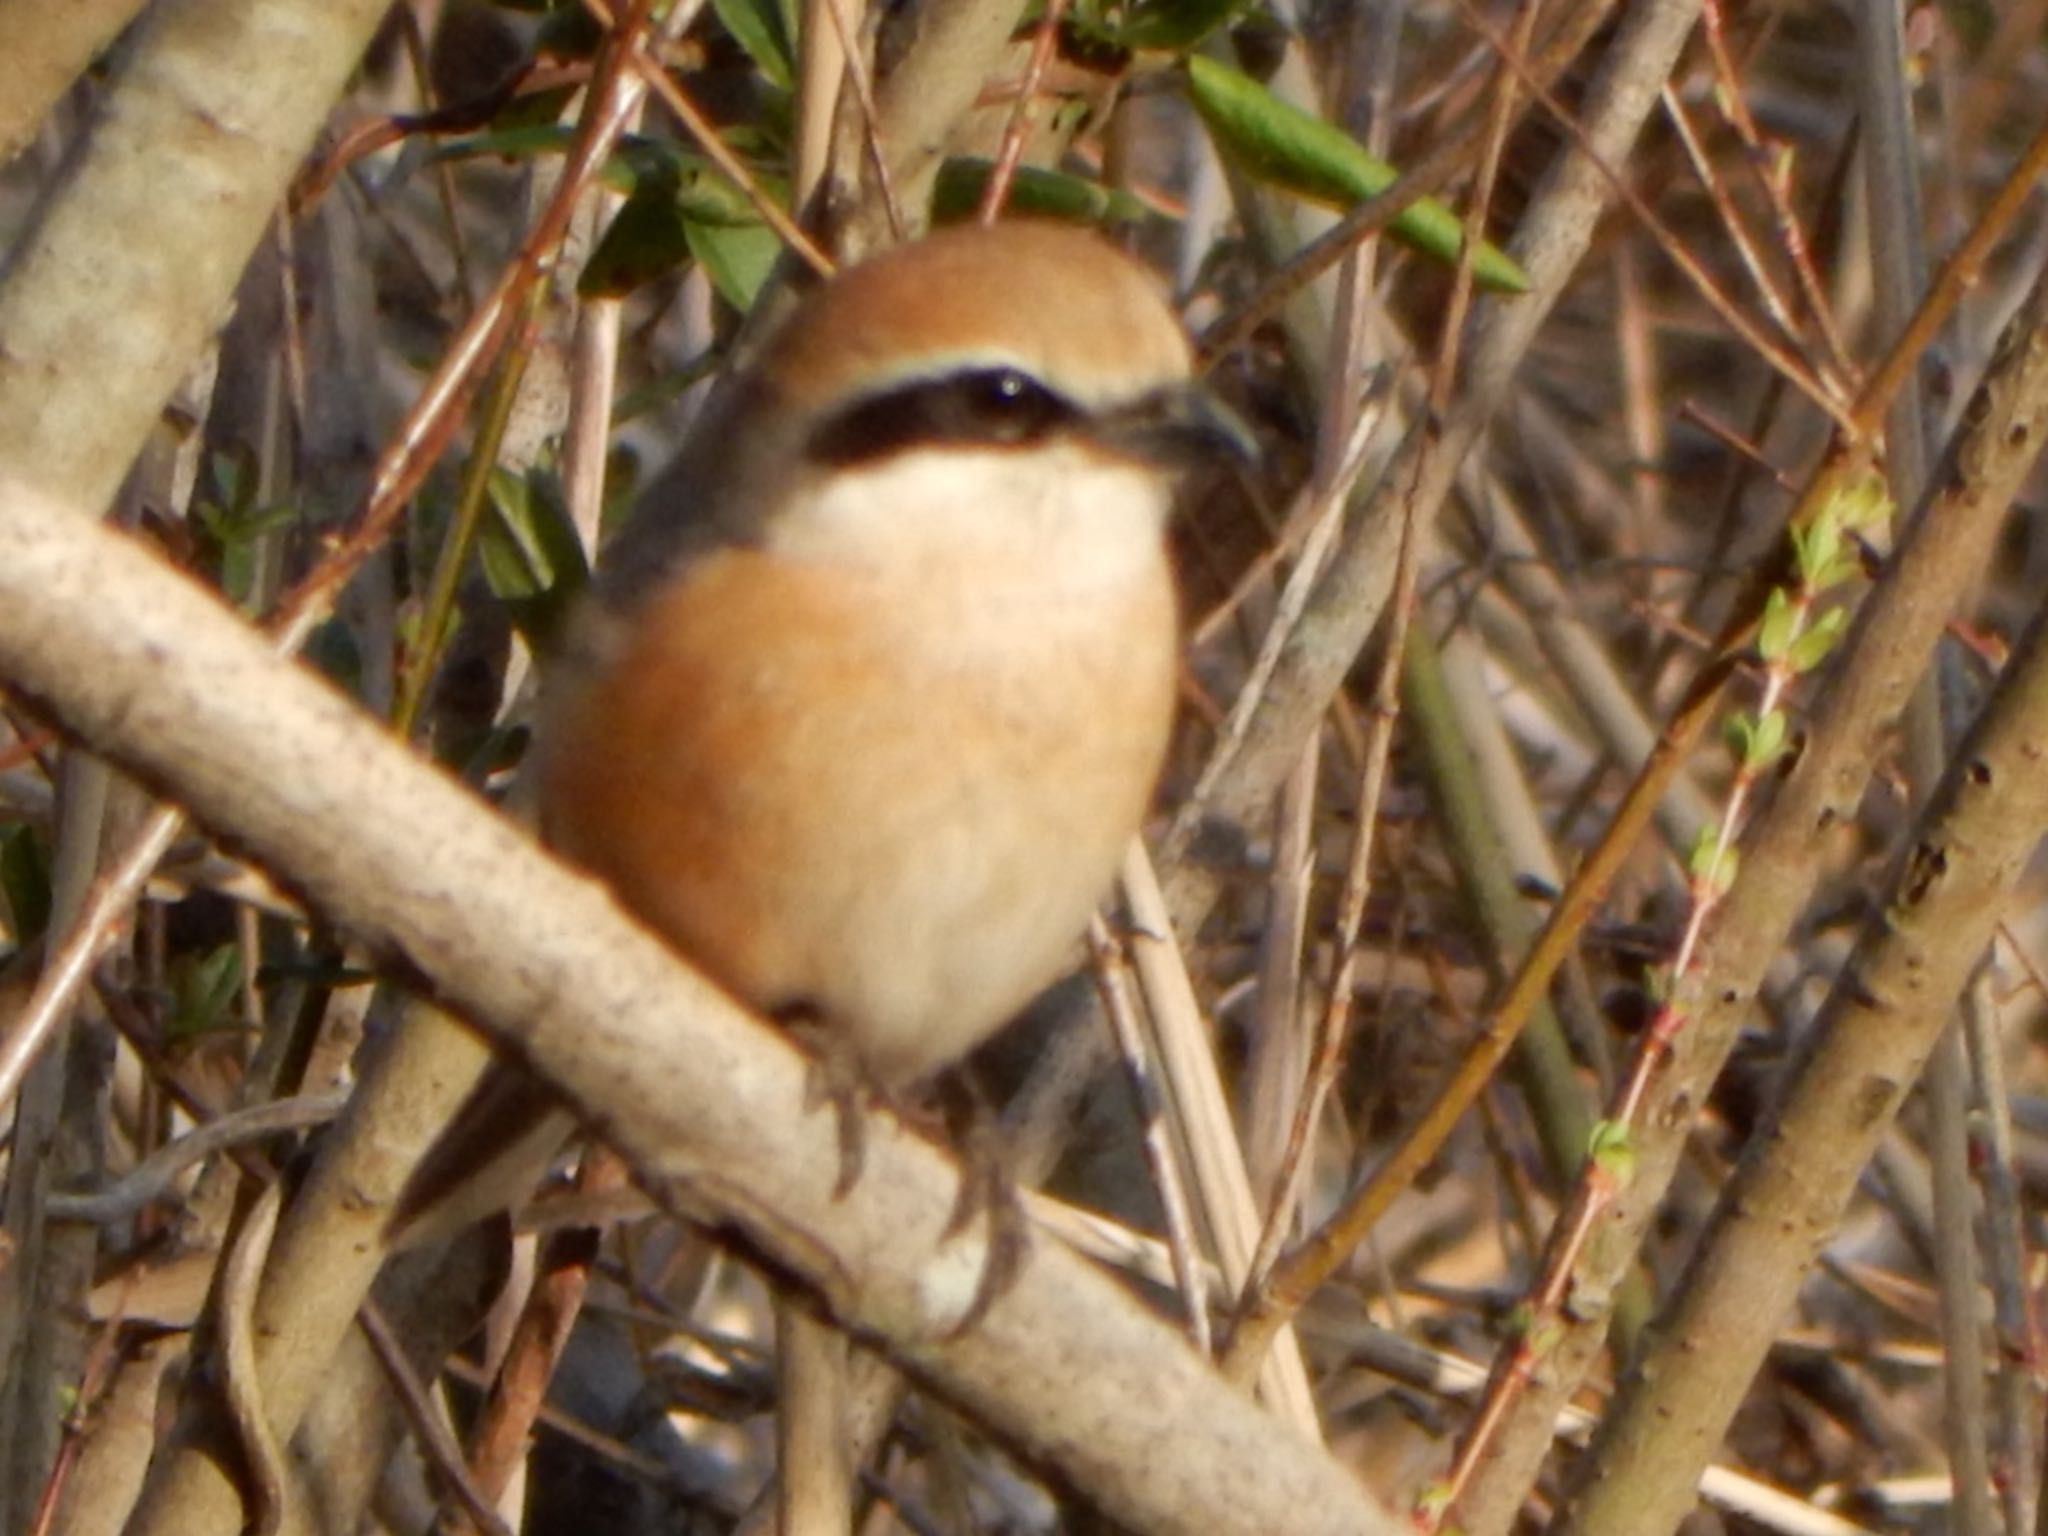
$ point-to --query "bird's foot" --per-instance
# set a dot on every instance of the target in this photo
(837, 1077)
(986, 1189)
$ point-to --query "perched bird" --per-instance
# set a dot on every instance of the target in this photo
(874, 686)
(878, 679)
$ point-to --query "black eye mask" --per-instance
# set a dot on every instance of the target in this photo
(999, 407)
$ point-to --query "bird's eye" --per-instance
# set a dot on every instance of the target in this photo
(1007, 405)
(997, 406)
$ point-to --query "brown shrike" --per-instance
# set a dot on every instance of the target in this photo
(874, 687)
(878, 679)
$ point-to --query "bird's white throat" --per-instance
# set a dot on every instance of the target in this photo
(1062, 519)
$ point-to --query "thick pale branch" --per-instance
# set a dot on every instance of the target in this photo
(47, 47)
(134, 263)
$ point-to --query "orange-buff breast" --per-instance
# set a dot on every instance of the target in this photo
(799, 776)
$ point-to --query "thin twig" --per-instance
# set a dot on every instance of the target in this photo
(1018, 127)
(270, 1475)
(1816, 389)
(430, 425)
(870, 118)
(1113, 980)
(708, 138)
(98, 928)
(156, 1175)
(429, 1428)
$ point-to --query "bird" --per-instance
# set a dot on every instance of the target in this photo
(877, 681)
(874, 684)
(873, 688)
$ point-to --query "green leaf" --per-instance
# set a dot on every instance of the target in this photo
(1706, 848)
(738, 258)
(1432, 1504)
(706, 196)
(1726, 871)
(644, 241)
(238, 525)
(315, 969)
(652, 233)
(1811, 648)
(203, 989)
(1298, 152)
(1741, 731)
(1052, 194)
(1780, 623)
(1759, 741)
(1817, 549)
(1864, 506)
(1711, 862)
(675, 196)
(1772, 731)
(1612, 1150)
(1659, 984)
(530, 553)
(757, 26)
(700, 189)
(522, 141)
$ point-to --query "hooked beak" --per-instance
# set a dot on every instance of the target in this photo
(1182, 426)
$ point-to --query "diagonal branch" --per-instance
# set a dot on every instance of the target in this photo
(1890, 1004)
(1939, 556)
(1067, 1367)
